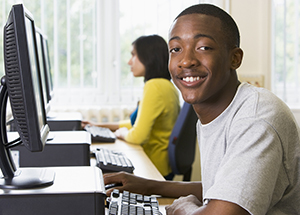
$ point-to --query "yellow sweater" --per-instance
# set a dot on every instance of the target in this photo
(158, 111)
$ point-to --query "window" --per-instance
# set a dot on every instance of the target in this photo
(90, 44)
(71, 28)
(286, 51)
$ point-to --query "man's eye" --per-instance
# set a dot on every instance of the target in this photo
(204, 48)
(175, 50)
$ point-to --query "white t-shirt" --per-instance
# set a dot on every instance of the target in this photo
(250, 154)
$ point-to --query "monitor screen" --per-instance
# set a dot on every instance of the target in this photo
(43, 68)
(35, 71)
(48, 67)
(22, 85)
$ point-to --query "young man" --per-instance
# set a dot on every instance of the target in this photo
(248, 138)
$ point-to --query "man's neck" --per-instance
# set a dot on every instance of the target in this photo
(208, 111)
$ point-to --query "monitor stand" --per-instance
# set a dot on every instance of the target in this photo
(11, 177)
(28, 178)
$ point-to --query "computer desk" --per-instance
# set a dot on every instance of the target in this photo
(143, 165)
(137, 156)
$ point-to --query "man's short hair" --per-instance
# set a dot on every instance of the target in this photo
(229, 26)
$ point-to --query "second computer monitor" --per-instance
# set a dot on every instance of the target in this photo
(43, 69)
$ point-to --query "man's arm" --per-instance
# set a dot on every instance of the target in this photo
(144, 186)
(190, 193)
(191, 205)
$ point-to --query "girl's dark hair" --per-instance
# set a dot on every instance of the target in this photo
(229, 27)
(153, 53)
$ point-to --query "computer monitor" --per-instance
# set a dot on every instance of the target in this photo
(47, 61)
(22, 85)
(43, 69)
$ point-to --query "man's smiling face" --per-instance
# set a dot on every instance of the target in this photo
(200, 61)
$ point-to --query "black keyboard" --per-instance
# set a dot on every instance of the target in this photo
(111, 161)
(132, 203)
(100, 134)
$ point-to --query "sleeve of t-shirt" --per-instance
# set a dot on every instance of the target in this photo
(250, 167)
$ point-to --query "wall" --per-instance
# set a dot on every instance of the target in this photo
(254, 21)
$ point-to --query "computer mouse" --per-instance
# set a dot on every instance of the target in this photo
(109, 186)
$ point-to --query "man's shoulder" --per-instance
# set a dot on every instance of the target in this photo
(259, 100)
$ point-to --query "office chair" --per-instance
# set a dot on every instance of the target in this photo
(182, 142)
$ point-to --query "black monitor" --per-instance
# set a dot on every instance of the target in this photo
(22, 85)
(47, 61)
(43, 69)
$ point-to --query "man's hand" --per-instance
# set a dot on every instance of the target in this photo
(184, 205)
(130, 182)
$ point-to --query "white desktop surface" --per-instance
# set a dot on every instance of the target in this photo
(69, 137)
(70, 180)
(64, 115)
(60, 137)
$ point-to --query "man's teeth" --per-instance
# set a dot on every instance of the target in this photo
(191, 79)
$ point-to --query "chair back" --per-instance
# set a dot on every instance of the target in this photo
(182, 142)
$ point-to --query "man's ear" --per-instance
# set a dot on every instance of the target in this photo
(236, 58)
